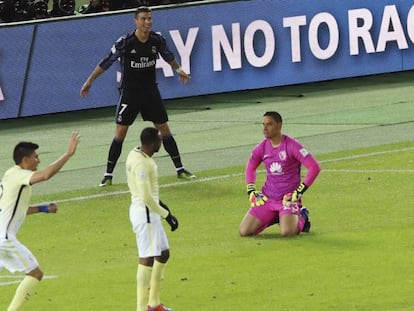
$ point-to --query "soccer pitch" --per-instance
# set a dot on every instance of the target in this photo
(358, 255)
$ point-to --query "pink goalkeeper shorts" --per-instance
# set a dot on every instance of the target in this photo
(272, 208)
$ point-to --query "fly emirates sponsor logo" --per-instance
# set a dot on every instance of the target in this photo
(144, 62)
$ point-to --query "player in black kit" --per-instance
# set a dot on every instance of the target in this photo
(139, 91)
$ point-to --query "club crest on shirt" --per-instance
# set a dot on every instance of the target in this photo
(304, 152)
(154, 49)
(282, 155)
(275, 168)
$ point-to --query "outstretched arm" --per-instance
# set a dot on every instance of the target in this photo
(88, 83)
(182, 75)
(53, 168)
(47, 208)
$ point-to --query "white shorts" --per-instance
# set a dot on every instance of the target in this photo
(14, 256)
(151, 239)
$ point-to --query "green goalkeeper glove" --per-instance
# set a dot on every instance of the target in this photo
(256, 198)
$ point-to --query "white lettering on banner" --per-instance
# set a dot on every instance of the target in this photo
(329, 20)
(233, 52)
(362, 17)
(184, 49)
(391, 29)
(233, 55)
(360, 24)
(228, 47)
(1, 94)
(294, 23)
(166, 68)
(266, 29)
(410, 24)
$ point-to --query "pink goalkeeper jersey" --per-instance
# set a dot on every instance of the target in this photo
(283, 166)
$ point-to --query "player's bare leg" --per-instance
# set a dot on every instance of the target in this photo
(289, 225)
(249, 225)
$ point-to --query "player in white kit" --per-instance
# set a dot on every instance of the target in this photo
(15, 193)
(145, 212)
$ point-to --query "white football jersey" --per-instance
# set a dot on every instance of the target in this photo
(15, 193)
(142, 176)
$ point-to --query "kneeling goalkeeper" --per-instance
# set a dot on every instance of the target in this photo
(280, 198)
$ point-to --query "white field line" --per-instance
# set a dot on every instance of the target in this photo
(366, 155)
(368, 171)
(18, 278)
(219, 177)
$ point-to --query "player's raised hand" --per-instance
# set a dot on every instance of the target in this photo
(256, 198)
(73, 143)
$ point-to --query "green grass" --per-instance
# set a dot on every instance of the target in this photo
(358, 255)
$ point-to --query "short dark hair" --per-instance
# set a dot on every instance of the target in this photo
(149, 136)
(275, 115)
(23, 149)
(141, 9)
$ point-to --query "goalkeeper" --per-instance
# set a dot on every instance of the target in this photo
(279, 200)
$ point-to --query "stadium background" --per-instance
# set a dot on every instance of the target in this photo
(358, 255)
(257, 43)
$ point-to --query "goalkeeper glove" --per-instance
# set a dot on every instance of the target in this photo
(295, 195)
(256, 198)
(172, 221)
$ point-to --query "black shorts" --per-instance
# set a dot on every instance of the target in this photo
(146, 101)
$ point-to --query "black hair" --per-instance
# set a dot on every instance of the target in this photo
(149, 136)
(275, 115)
(23, 149)
(141, 9)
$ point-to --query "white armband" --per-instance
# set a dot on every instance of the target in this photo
(179, 70)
